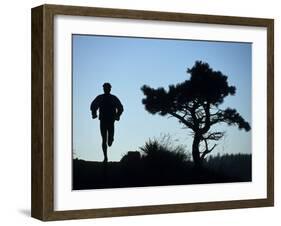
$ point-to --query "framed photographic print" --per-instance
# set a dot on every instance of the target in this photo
(142, 112)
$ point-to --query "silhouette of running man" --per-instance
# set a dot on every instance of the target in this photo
(110, 109)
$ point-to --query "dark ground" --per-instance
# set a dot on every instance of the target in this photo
(95, 175)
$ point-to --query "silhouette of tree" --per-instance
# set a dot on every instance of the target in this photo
(195, 103)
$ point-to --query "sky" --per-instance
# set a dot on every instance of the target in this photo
(128, 63)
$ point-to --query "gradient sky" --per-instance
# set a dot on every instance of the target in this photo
(128, 64)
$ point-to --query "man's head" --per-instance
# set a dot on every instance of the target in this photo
(106, 88)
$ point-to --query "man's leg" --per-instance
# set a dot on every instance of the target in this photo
(110, 133)
(103, 131)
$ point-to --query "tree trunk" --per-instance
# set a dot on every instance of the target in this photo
(195, 151)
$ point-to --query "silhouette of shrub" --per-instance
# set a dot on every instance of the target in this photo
(162, 154)
(131, 156)
(232, 165)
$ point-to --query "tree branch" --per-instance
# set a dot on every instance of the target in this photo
(231, 117)
(207, 150)
(214, 136)
(182, 119)
(207, 118)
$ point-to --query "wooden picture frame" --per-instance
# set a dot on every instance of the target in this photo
(42, 205)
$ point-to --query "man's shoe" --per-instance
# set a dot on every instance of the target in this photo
(110, 142)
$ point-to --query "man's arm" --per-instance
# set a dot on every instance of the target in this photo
(119, 108)
(94, 106)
